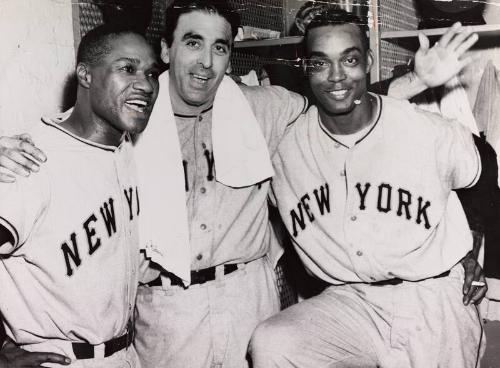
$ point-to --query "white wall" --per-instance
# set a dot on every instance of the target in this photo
(36, 57)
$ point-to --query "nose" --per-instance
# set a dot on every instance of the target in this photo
(336, 72)
(144, 84)
(206, 58)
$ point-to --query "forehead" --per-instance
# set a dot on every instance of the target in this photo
(334, 39)
(209, 26)
(129, 45)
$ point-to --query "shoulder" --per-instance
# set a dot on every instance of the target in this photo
(413, 118)
(269, 94)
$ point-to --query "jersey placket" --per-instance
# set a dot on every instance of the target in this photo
(203, 194)
(122, 161)
(359, 253)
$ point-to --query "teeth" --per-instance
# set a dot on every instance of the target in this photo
(137, 105)
(199, 77)
(339, 93)
(137, 102)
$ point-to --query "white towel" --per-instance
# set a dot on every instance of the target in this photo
(241, 159)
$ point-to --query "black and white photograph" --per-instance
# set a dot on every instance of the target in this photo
(250, 183)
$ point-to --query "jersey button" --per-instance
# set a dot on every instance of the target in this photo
(203, 227)
(359, 253)
(200, 118)
(337, 145)
(199, 257)
(203, 145)
(353, 218)
(342, 173)
(203, 190)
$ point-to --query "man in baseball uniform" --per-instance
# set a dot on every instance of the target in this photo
(208, 319)
(363, 184)
(68, 237)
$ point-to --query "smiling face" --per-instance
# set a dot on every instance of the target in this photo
(198, 57)
(337, 68)
(123, 85)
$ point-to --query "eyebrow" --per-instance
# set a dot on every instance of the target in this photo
(346, 51)
(195, 36)
(130, 60)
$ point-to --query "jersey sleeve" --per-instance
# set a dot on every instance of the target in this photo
(275, 108)
(458, 155)
(23, 203)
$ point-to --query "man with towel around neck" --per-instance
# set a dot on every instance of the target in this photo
(204, 224)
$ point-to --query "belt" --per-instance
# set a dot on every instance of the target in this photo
(396, 281)
(197, 277)
(83, 350)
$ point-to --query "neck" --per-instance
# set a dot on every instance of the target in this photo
(353, 121)
(84, 124)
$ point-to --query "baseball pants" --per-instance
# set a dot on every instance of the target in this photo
(413, 324)
(206, 325)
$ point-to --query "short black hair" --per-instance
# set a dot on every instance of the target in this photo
(96, 43)
(179, 7)
(334, 15)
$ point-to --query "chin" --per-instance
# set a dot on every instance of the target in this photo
(339, 110)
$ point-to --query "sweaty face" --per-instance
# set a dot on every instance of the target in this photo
(337, 67)
(198, 57)
(124, 85)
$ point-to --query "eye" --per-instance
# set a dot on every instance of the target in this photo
(154, 74)
(128, 69)
(351, 60)
(221, 49)
(193, 44)
(316, 65)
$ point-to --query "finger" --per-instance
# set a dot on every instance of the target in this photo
(39, 358)
(13, 167)
(453, 30)
(467, 44)
(32, 150)
(458, 38)
(6, 178)
(468, 278)
(25, 137)
(23, 160)
(479, 294)
(424, 42)
(475, 290)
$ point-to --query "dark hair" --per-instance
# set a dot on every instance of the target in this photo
(333, 15)
(179, 7)
(96, 43)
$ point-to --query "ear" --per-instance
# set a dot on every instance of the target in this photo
(229, 68)
(369, 61)
(165, 57)
(83, 75)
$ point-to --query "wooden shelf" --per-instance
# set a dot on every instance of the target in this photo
(487, 30)
(269, 42)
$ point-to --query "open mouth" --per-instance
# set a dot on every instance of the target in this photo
(138, 105)
(339, 94)
(200, 78)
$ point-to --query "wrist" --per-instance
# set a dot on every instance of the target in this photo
(407, 86)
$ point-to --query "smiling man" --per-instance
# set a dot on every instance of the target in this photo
(364, 185)
(68, 238)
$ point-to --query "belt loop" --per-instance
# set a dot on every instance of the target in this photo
(219, 272)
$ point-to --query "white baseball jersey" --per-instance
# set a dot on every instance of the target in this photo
(382, 208)
(71, 274)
